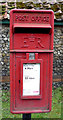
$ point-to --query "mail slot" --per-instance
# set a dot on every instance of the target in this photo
(31, 60)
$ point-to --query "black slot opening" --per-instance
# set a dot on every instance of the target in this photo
(32, 30)
(19, 81)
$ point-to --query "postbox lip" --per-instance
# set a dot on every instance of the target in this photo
(29, 10)
(31, 25)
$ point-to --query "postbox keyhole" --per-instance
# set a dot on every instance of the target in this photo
(31, 56)
(19, 81)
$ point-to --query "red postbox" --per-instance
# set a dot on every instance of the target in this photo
(31, 60)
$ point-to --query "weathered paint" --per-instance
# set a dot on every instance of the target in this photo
(31, 31)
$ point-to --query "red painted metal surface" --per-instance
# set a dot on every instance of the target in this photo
(31, 31)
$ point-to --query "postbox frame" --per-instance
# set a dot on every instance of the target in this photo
(36, 60)
(44, 26)
(13, 53)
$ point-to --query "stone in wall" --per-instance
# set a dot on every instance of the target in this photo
(0, 53)
(5, 50)
(58, 52)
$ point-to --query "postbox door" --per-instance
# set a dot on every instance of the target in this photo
(40, 101)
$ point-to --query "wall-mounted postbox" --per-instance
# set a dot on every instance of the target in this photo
(31, 60)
